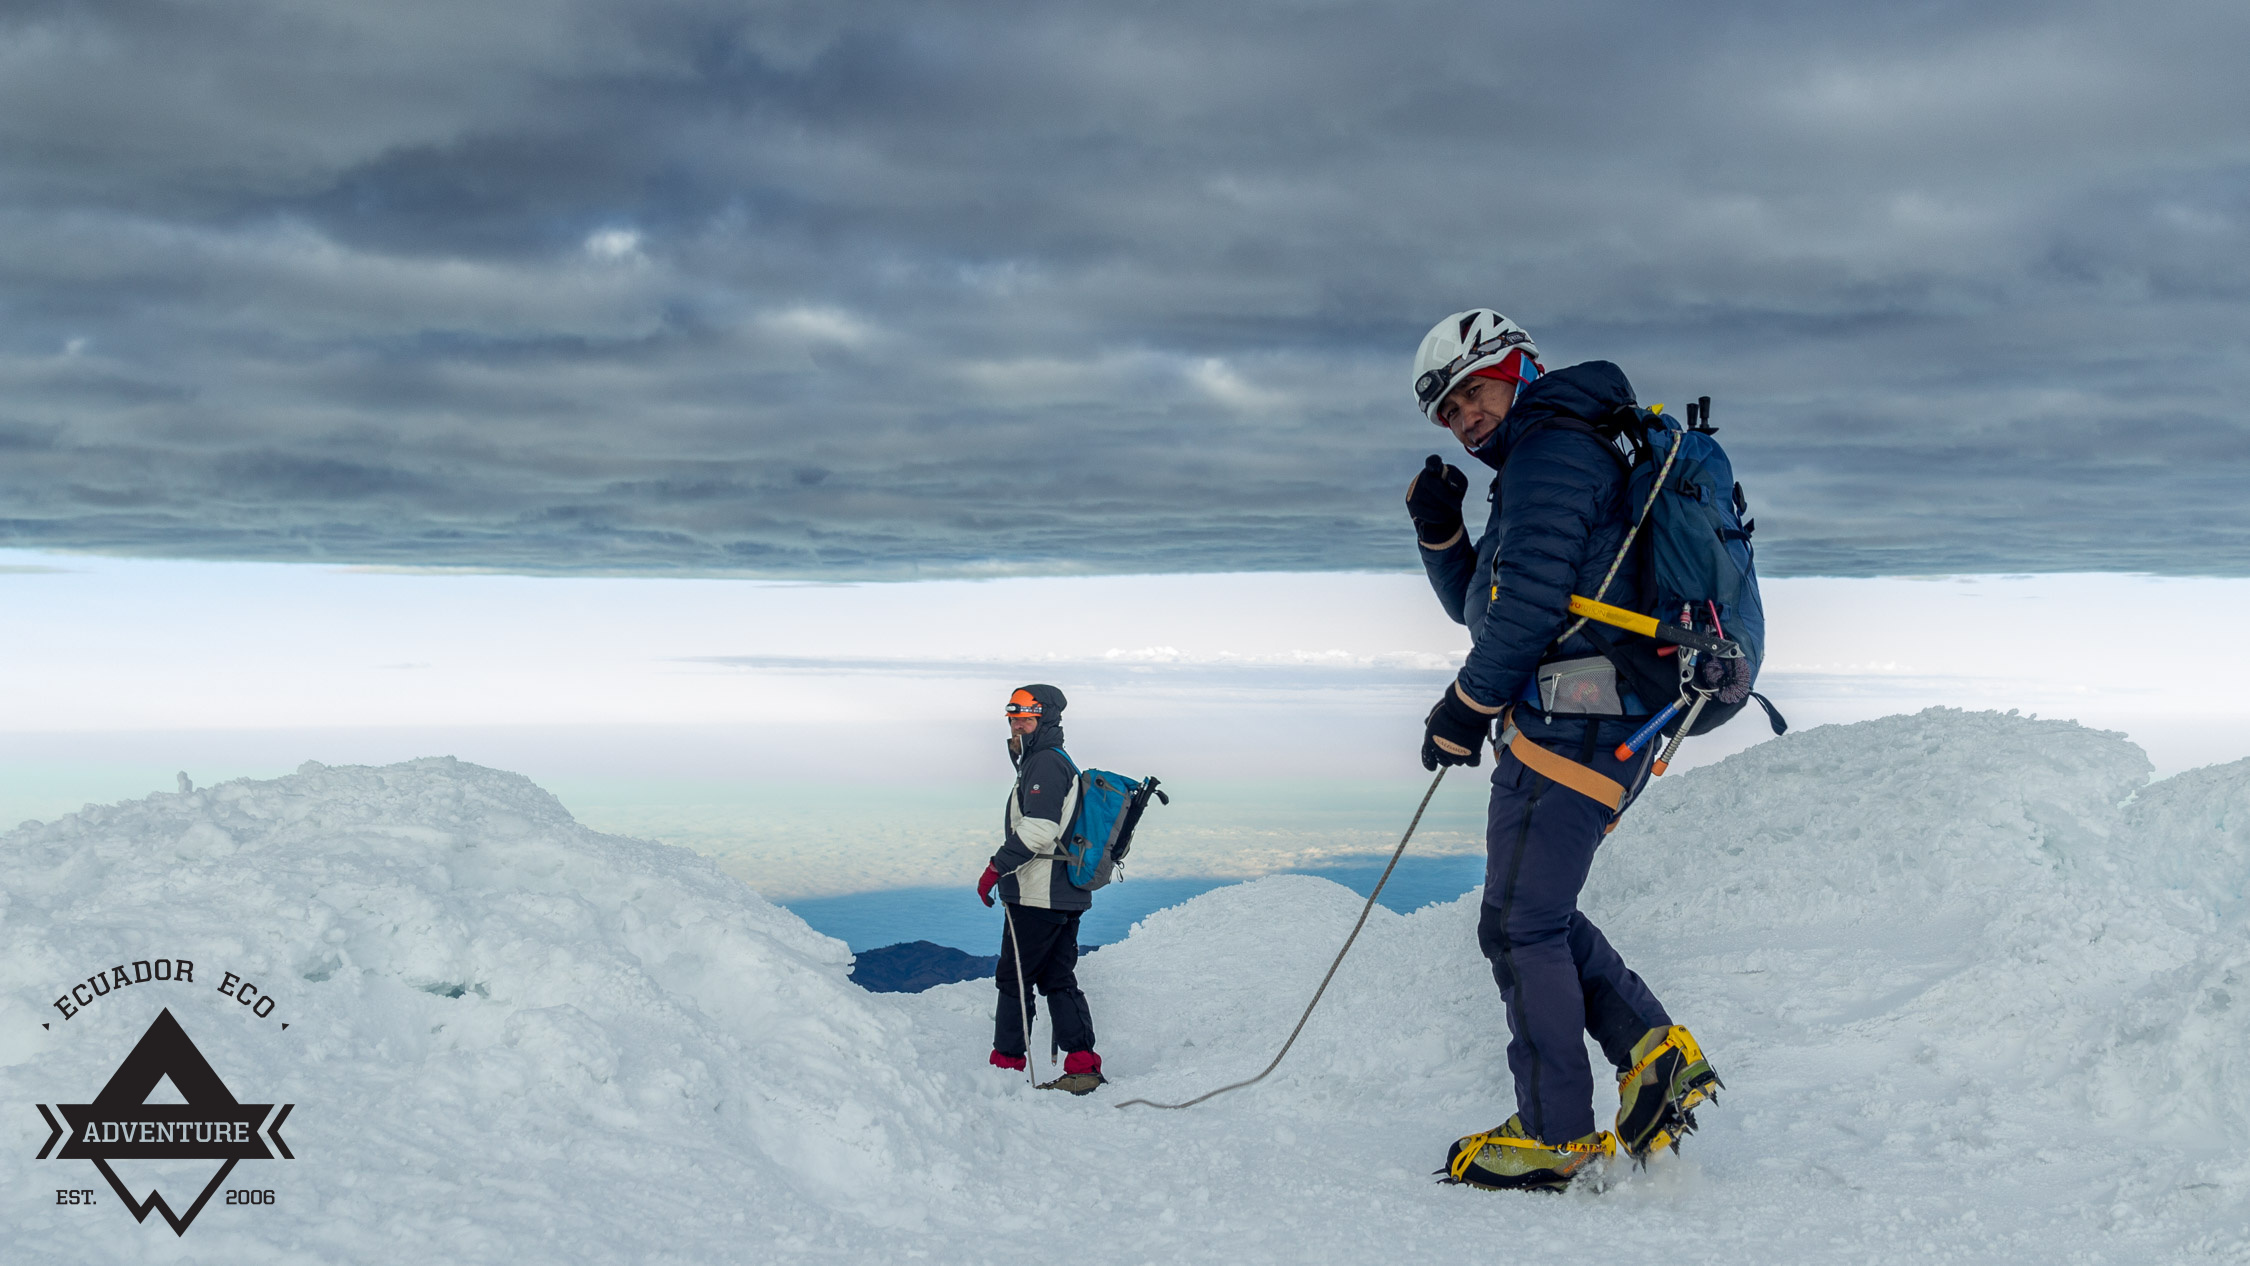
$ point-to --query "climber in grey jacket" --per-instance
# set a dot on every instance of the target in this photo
(1043, 905)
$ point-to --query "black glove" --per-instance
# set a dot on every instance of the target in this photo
(1433, 501)
(1454, 732)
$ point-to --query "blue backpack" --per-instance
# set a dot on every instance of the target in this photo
(1100, 832)
(1694, 547)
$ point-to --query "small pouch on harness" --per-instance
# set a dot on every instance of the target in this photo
(1580, 687)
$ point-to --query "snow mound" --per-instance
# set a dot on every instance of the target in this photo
(1968, 877)
(2175, 1056)
(1861, 823)
(1971, 983)
(507, 1029)
(2197, 829)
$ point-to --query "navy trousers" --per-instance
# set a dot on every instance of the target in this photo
(1048, 940)
(1558, 976)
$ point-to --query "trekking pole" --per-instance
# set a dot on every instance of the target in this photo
(1363, 911)
(1023, 995)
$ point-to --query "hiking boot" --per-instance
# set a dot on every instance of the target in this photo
(1658, 1095)
(1082, 1071)
(1507, 1159)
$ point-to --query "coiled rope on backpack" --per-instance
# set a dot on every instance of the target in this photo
(1363, 912)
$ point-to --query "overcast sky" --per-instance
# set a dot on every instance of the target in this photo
(882, 289)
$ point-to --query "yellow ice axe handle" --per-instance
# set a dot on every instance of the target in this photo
(1650, 626)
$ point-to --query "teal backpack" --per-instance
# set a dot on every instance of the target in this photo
(1100, 833)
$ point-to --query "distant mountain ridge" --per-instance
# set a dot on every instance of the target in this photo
(912, 966)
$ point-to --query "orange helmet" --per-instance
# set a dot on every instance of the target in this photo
(1036, 700)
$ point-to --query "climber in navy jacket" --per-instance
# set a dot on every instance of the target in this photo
(1557, 526)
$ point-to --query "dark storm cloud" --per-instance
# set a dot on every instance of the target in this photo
(890, 289)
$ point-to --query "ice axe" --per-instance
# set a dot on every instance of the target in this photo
(1650, 626)
(1680, 635)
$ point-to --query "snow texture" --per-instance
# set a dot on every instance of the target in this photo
(1973, 984)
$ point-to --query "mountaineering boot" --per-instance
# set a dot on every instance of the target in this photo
(1507, 1159)
(1658, 1095)
(1082, 1071)
(1014, 1063)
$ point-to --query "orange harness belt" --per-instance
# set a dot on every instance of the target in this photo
(1602, 790)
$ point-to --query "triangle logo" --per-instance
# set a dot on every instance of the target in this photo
(166, 1102)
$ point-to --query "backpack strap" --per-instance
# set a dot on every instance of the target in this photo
(1773, 714)
(1606, 437)
(1072, 800)
(1018, 791)
(1656, 488)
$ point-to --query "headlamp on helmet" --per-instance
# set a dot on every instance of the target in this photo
(1463, 344)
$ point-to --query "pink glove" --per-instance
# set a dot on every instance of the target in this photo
(984, 884)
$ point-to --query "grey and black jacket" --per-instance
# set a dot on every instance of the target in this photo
(1039, 805)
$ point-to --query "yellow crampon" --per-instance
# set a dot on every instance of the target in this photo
(1679, 1079)
(1534, 1164)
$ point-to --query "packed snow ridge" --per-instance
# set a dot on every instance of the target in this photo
(1976, 988)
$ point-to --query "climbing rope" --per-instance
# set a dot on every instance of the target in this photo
(1363, 911)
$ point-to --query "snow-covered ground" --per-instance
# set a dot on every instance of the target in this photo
(1976, 991)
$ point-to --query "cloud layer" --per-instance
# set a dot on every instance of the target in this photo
(888, 289)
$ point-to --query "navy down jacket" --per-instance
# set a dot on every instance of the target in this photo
(1559, 515)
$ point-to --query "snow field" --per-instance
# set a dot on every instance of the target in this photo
(1969, 1007)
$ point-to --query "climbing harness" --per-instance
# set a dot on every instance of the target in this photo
(1363, 912)
(1597, 787)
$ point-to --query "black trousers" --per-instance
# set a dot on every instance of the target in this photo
(1048, 941)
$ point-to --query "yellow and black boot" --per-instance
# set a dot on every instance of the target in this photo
(1658, 1095)
(1507, 1159)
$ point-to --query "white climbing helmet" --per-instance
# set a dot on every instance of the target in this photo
(1462, 344)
